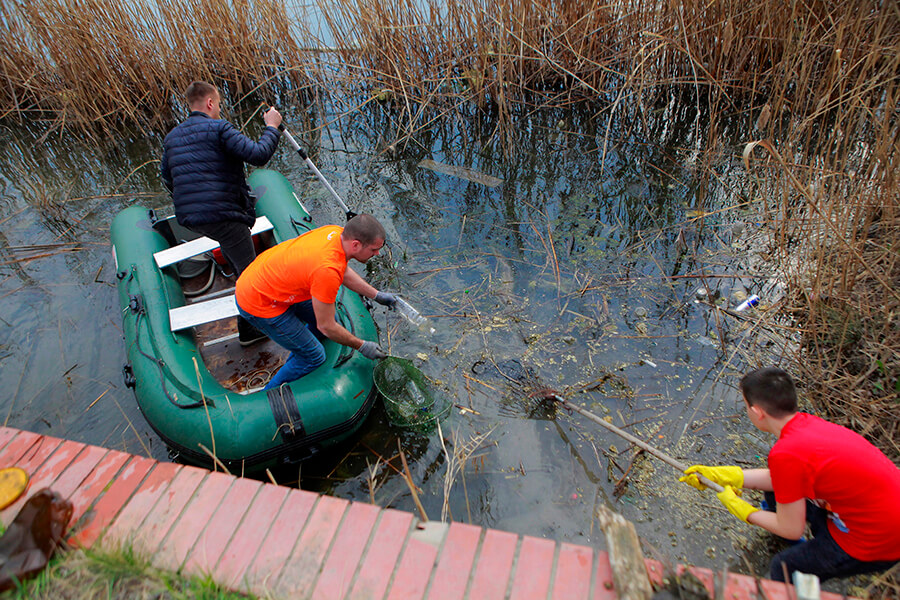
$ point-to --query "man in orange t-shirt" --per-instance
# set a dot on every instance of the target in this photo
(289, 291)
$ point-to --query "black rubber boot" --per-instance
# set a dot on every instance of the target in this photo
(248, 334)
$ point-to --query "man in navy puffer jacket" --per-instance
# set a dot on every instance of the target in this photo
(203, 166)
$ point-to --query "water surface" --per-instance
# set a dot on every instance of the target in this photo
(574, 251)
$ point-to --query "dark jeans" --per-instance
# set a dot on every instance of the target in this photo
(294, 329)
(237, 246)
(820, 556)
(234, 239)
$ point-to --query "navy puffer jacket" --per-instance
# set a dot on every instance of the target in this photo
(203, 166)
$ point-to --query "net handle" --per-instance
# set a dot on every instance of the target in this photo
(636, 441)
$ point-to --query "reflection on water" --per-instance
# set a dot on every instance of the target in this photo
(583, 265)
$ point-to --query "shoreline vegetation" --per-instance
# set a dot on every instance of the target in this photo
(816, 83)
(115, 575)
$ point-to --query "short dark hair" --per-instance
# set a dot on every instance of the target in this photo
(772, 389)
(364, 228)
(199, 90)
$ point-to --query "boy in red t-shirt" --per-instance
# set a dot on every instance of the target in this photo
(820, 473)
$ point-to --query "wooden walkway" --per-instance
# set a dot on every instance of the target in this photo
(280, 542)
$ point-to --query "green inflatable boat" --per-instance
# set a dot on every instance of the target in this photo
(194, 383)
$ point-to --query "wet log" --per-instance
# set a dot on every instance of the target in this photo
(625, 557)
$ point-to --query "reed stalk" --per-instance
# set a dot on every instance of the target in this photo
(817, 81)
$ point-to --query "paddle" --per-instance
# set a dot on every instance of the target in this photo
(305, 157)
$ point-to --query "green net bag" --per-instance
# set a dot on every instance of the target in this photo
(408, 398)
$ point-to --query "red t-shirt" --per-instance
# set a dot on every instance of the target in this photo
(845, 474)
(309, 266)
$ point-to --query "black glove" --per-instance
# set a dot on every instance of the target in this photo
(372, 350)
(386, 298)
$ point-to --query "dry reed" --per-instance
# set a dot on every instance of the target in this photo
(816, 80)
(102, 64)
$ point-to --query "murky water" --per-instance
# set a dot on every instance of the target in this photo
(582, 263)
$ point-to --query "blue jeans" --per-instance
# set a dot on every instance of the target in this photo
(295, 329)
(820, 556)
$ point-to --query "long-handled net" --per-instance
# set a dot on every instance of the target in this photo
(539, 400)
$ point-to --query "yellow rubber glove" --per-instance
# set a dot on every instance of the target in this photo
(727, 475)
(739, 508)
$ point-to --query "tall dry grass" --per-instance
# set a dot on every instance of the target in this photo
(818, 79)
(102, 64)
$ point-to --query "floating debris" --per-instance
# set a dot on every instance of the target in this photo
(461, 172)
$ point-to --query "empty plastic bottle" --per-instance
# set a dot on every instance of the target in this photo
(413, 316)
(410, 313)
(751, 301)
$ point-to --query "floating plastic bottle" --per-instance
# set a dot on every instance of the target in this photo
(410, 313)
(413, 316)
(751, 301)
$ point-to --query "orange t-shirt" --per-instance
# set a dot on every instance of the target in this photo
(309, 266)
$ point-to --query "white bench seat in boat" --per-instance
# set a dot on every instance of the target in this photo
(191, 315)
(181, 252)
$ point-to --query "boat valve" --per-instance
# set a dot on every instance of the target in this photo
(135, 304)
(128, 373)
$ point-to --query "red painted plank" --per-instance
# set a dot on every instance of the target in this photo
(532, 578)
(78, 470)
(212, 542)
(242, 548)
(775, 590)
(739, 587)
(604, 585)
(107, 507)
(704, 575)
(299, 573)
(573, 573)
(135, 508)
(494, 565)
(417, 562)
(655, 571)
(18, 446)
(150, 529)
(6, 434)
(70, 479)
(97, 481)
(263, 571)
(45, 475)
(452, 573)
(343, 559)
(34, 457)
(187, 530)
(381, 557)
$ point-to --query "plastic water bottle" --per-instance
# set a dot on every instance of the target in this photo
(749, 302)
(413, 316)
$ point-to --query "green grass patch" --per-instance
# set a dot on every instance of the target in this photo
(93, 574)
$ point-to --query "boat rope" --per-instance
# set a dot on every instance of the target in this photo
(287, 415)
(136, 305)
